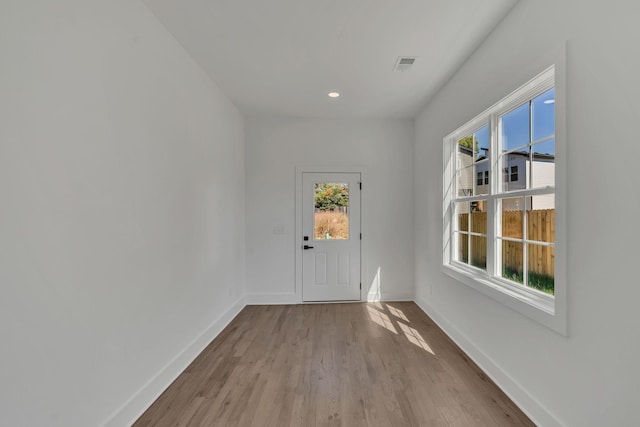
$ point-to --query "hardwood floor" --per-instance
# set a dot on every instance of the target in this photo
(365, 364)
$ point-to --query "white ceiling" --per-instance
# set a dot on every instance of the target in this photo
(284, 56)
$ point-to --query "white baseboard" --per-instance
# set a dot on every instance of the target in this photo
(527, 403)
(128, 413)
(271, 299)
(290, 298)
(389, 297)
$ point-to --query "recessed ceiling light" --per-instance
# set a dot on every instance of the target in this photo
(333, 94)
(549, 101)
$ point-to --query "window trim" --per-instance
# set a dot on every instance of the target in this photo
(545, 309)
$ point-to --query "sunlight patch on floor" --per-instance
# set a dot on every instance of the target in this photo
(396, 312)
(415, 338)
(381, 319)
(378, 305)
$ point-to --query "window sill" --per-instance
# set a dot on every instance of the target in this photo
(534, 305)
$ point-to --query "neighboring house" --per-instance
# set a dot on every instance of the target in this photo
(474, 179)
(465, 171)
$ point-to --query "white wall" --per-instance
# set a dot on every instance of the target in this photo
(122, 209)
(589, 378)
(275, 146)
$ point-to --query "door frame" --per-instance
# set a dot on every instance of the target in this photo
(298, 226)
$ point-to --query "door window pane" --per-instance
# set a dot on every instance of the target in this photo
(331, 215)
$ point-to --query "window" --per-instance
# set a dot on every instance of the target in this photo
(514, 173)
(500, 235)
(331, 214)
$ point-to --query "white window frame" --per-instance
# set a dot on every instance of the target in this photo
(544, 308)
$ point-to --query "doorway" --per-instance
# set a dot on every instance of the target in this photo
(331, 236)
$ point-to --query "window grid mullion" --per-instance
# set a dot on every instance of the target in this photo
(541, 140)
(527, 241)
(453, 247)
(527, 202)
(529, 167)
(494, 184)
(525, 255)
(469, 233)
(474, 233)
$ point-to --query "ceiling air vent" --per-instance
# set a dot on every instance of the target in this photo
(404, 63)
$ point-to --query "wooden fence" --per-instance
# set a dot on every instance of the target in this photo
(540, 227)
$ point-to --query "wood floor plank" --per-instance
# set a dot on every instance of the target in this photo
(351, 365)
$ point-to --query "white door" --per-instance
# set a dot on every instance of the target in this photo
(331, 237)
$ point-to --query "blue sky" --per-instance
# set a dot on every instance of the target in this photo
(515, 125)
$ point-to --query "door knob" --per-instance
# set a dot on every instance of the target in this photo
(305, 247)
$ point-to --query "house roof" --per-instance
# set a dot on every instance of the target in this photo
(536, 156)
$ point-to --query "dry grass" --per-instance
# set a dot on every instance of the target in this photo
(335, 223)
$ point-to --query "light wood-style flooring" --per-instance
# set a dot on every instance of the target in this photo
(363, 364)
